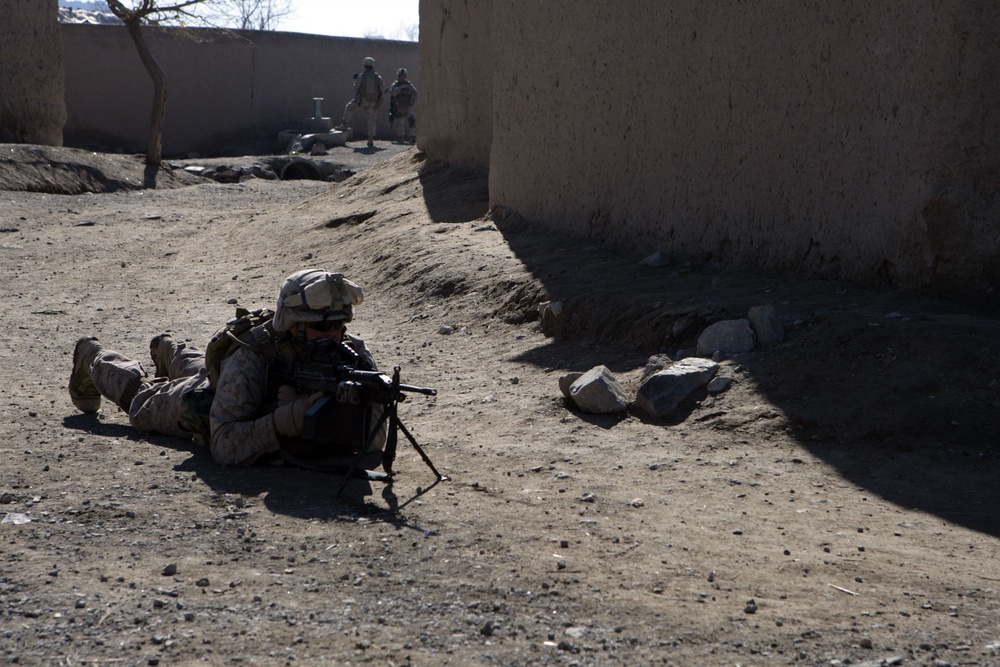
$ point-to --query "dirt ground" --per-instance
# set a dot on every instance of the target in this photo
(836, 506)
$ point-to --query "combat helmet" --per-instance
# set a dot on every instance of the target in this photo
(369, 62)
(315, 295)
(401, 72)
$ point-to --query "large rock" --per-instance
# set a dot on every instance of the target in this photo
(664, 391)
(597, 392)
(726, 337)
(766, 325)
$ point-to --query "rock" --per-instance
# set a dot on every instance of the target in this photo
(726, 337)
(170, 570)
(766, 325)
(657, 259)
(597, 392)
(656, 363)
(665, 390)
(550, 315)
(683, 324)
(719, 385)
(566, 381)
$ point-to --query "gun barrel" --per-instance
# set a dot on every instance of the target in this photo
(318, 380)
(426, 391)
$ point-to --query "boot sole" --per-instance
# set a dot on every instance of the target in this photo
(85, 401)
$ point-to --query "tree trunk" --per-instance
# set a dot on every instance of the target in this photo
(154, 141)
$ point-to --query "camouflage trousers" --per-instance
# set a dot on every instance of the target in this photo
(405, 125)
(158, 403)
(371, 113)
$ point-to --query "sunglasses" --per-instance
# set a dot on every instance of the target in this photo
(327, 325)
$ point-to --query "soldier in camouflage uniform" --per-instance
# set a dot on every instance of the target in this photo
(402, 99)
(248, 420)
(368, 91)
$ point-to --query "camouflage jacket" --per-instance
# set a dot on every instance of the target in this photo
(241, 420)
(241, 423)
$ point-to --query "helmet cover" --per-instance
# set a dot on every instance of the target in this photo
(315, 295)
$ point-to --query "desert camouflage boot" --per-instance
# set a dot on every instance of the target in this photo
(161, 350)
(82, 391)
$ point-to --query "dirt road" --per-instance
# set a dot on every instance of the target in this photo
(837, 505)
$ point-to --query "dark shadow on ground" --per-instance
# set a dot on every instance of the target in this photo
(283, 489)
(454, 193)
(898, 392)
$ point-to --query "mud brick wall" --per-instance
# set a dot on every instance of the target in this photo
(853, 140)
(227, 90)
(456, 59)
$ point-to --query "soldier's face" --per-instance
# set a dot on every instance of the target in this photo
(322, 330)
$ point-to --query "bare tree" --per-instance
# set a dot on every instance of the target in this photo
(245, 14)
(404, 32)
(410, 33)
(151, 12)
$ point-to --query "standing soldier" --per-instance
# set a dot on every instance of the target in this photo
(402, 99)
(368, 89)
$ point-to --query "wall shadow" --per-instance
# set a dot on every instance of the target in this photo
(896, 391)
(454, 193)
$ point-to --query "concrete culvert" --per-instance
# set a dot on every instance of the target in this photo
(300, 169)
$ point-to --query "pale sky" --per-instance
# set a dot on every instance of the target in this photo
(391, 19)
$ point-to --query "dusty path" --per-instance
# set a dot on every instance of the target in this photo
(846, 483)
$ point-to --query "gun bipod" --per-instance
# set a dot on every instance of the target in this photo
(395, 424)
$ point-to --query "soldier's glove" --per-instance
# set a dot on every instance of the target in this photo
(288, 418)
(286, 394)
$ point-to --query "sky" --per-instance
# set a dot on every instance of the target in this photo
(391, 19)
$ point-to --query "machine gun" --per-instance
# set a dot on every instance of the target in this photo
(392, 109)
(353, 398)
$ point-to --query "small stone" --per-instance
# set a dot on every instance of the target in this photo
(202, 583)
(170, 570)
(751, 607)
